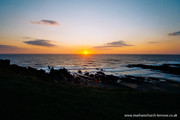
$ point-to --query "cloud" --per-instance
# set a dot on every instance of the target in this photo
(153, 42)
(102, 48)
(174, 34)
(27, 37)
(40, 42)
(119, 43)
(8, 48)
(45, 22)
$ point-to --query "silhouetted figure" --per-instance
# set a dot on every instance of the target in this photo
(49, 67)
(52, 71)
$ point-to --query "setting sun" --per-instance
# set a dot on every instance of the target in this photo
(85, 52)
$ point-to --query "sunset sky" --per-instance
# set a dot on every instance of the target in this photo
(94, 26)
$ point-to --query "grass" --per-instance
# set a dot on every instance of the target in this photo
(26, 97)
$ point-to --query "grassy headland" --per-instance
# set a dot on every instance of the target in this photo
(27, 96)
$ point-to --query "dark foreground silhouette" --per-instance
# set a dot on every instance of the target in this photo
(99, 79)
(27, 93)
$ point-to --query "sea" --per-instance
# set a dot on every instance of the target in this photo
(111, 64)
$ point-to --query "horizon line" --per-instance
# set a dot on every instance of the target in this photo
(81, 54)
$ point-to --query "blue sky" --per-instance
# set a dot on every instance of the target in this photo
(91, 23)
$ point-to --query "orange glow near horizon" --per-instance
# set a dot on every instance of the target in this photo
(162, 47)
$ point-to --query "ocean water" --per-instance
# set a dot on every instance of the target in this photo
(110, 64)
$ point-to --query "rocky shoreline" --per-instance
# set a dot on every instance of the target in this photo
(167, 68)
(99, 79)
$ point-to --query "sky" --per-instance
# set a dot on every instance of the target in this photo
(94, 26)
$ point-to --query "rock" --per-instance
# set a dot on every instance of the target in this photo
(100, 73)
(61, 75)
(4, 63)
(167, 68)
(18, 69)
(79, 71)
(86, 73)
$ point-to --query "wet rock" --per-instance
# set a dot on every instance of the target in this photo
(100, 73)
(167, 68)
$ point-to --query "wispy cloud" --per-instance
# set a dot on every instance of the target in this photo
(40, 42)
(102, 47)
(174, 34)
(119, 43)
(45, 22)
(153, 42)
(27, 37)
(9, 48)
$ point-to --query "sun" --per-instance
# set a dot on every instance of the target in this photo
(85, 52)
